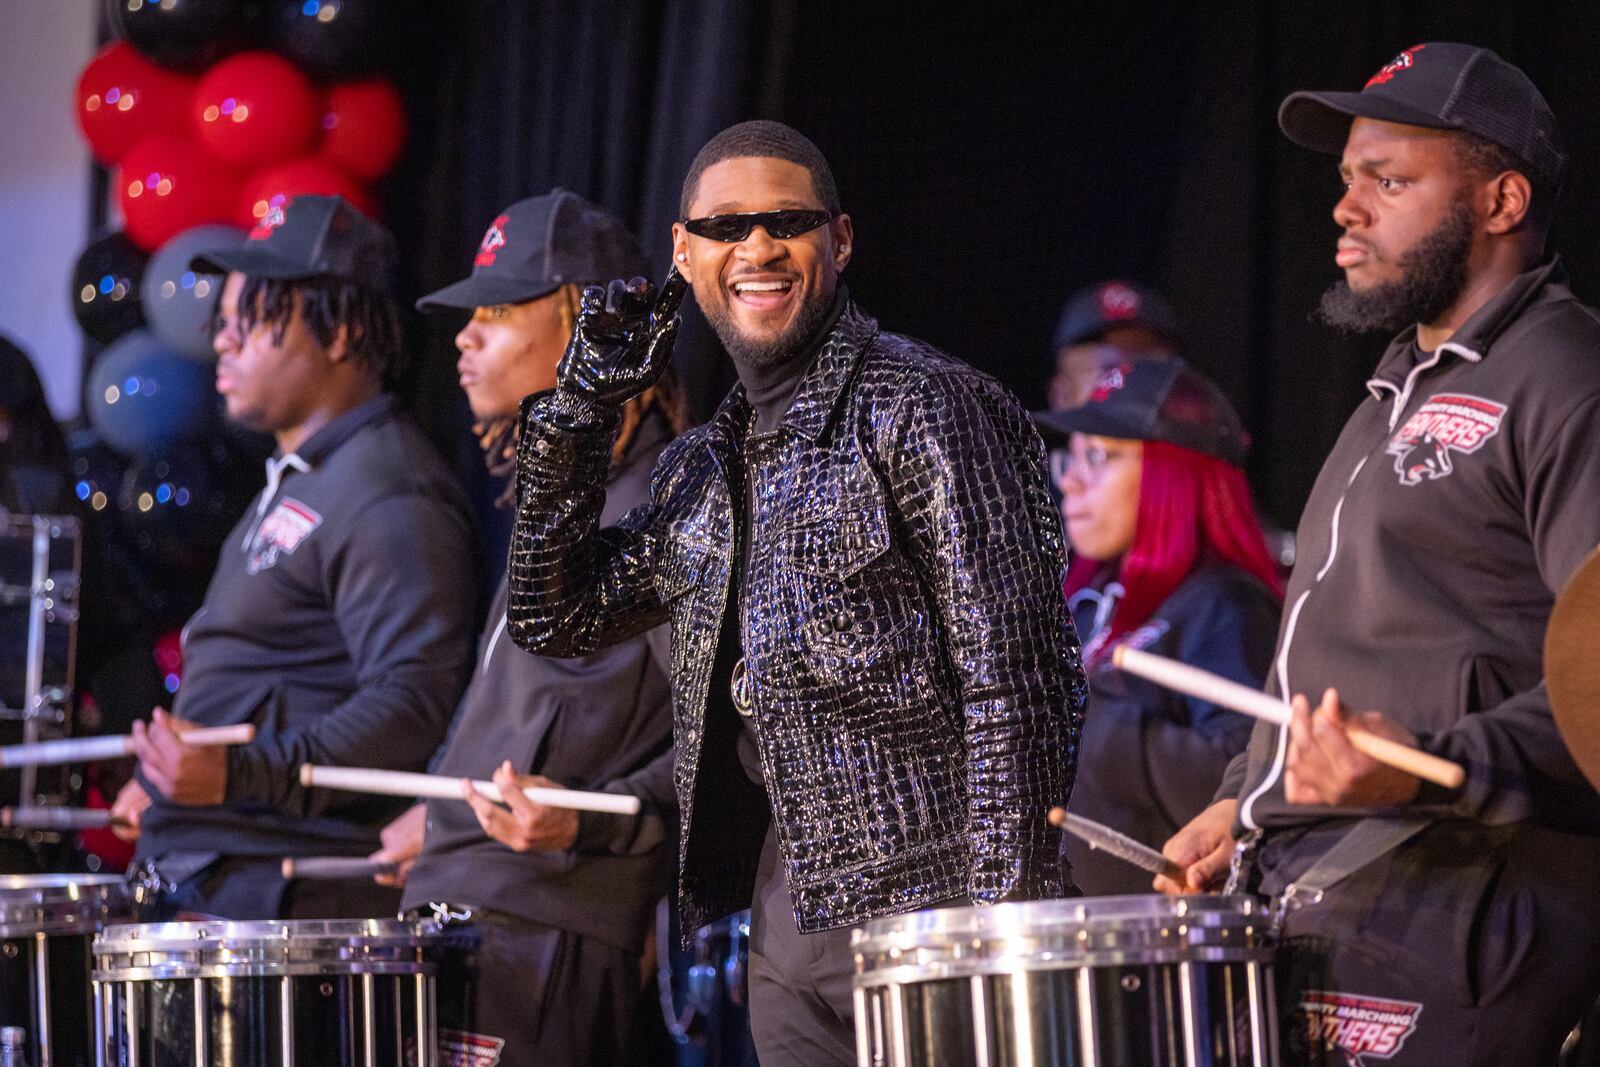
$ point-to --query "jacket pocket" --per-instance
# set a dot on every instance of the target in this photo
(685, 562)
(839, 542)
(847, 613)
(1482, 685)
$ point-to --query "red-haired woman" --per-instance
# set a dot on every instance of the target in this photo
(1170, 559)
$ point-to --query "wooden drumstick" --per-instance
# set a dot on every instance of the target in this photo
(334, 867)
(1116, 843)
(1203, 685)
(113, 746)
(60, 819)
(444, 787)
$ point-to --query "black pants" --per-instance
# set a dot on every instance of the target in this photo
(801, 1007)
(1467, 945)
(514, 993)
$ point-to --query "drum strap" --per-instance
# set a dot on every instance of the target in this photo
(1366, 841)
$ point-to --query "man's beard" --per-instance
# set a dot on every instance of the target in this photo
(761, 353)
(1433, 275)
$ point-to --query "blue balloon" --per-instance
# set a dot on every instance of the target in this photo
(144, 397)
(177, 301)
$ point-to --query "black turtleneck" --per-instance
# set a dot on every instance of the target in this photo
(770, 390)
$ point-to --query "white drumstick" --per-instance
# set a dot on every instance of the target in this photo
(112, 746)
(444, 787)
(1203, 685)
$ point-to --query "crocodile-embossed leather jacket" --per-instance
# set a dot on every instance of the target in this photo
(913, 673)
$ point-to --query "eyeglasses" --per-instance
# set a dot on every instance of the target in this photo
(1089, 467)
(780, 225)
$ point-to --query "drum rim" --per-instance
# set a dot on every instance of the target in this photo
(265, 948)
(980, 919)
(51, 904)
(1071, 932)
(20, 882)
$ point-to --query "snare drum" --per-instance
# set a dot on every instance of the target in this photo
(1145, 980)
(323, 992)
(46, 923)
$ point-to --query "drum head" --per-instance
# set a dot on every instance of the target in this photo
(1572, 666)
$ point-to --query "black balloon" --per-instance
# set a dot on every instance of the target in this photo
(105, 287)
(331, 39)
(188, 35)
(174, 510)
(97, 471)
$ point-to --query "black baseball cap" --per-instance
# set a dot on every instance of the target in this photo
(1444, 86)
(1091, 312)
(537, 245)
(309, 237)
(1155, 400)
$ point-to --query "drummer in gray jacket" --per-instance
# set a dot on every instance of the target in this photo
(555, 903)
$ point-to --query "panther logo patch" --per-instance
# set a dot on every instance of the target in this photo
(1446, 423)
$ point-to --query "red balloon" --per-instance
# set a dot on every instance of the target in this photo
(365, 127)
(167, 184)
(255, 109)
(310, 176)
(123, 98)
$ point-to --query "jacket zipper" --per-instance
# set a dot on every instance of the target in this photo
(1402, 397)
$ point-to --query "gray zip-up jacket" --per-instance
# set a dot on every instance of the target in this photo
(1456, 504)
(339, 621)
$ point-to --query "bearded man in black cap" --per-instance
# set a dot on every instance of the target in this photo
(1422, 924)
(875, 681)
(555, 904)
(338, 620)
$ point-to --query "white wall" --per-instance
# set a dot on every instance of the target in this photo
(44, 184)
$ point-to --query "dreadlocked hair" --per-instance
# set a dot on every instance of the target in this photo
(498, 437)
(369, 317)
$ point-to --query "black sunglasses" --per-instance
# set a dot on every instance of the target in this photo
(780, 225)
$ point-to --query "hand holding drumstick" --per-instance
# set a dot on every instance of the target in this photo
(1324, 767)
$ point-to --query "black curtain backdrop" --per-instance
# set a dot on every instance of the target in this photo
(995, 157)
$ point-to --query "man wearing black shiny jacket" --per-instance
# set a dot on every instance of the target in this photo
(862, 568)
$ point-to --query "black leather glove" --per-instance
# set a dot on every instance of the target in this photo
(623, 339)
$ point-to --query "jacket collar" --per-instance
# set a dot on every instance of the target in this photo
(823, 388)
(322, 444)
(1472, 341)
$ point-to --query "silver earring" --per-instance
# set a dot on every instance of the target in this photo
(682, 257)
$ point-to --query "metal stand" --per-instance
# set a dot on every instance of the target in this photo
(55, 557)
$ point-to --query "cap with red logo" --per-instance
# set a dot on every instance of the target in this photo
(537, 245)
(308, 237)
(1156, 400)
(1439, 85)
(1090, 312)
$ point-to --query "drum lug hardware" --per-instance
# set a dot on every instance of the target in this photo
(1293, 899)
(447, 917)
(146, 884)
(1244, 855)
